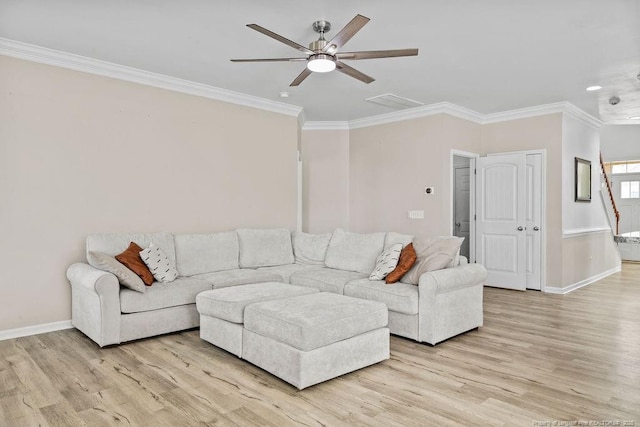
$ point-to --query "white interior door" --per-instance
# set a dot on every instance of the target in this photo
(500, 219)
(461, 207)
(534, 220)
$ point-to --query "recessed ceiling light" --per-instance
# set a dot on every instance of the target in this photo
(284, 94)
(634, 118)
(592, 88)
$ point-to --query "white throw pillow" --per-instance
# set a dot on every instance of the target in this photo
(387, 261)
(159, 264)
(115, 243)
(126, 277)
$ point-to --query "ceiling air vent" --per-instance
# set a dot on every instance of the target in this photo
(393, 101)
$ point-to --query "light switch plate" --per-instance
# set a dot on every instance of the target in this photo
(415, 214)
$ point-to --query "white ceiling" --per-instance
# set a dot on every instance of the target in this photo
(486, 55)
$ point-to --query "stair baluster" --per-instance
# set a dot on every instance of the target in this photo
(616, 212)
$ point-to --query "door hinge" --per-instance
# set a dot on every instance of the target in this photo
(474, 217)
(475, 171)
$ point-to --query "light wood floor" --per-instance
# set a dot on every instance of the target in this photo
(539, 358)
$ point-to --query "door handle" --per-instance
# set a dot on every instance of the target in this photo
(457, 224)
(536, 228)
(520, 228)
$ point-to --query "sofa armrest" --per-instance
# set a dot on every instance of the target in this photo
(95, 303)
(91, 279)
(451, 279)
(450, 302)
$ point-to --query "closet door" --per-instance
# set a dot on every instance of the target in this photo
(501, 245)
(534, 221)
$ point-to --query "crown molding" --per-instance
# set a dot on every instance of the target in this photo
(70, 61)
(463, 113)
(587, 119)
(524, 113)
(337, 125)
(541, 110)
(414, 113)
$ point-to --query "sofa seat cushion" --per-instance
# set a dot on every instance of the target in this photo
(311, 321)
(399, 297)
(244, 276)
(325, 279)
(285, 271)
(181, 291)
(229, 303)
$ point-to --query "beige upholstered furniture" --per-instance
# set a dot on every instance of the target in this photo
(312, 338)
(222, 310)
(445, 302)
(295, 332)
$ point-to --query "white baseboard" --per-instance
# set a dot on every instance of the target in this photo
(580, 284)
(35, 329)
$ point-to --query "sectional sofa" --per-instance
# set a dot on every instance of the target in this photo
(443, 304)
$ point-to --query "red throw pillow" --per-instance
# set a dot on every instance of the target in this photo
(131, 259)
(408, 257)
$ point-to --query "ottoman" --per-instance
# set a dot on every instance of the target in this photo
(308, 339)
(222, 310)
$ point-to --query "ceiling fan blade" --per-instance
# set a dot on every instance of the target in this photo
(269, 60)
(281, 39)
(303, 75)
(350, 71)
(346, 33)
(371, 54)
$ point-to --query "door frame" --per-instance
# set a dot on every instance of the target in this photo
(472, 197)
(543, 216)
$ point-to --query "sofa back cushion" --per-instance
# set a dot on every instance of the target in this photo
(354, 251)
(114, 244)
(206, 253)
(310, 249)
(265, 247)
(433, 253)
(392, 238)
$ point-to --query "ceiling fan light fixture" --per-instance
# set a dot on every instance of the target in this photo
(321, 63)
(323, 56)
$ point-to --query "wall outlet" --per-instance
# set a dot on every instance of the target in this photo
(415, 214)
(430, 191)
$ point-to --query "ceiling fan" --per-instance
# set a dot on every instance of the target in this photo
(323, 56)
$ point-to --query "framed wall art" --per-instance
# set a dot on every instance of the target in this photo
(583, 180)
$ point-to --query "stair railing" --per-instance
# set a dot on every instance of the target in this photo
(607, 181)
